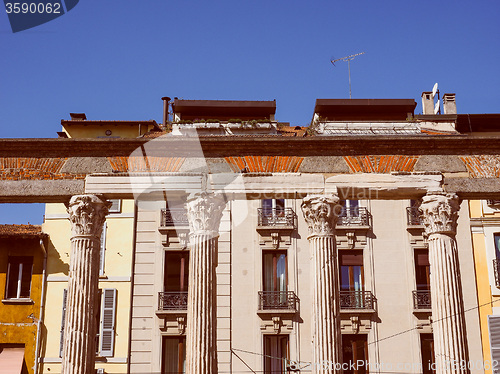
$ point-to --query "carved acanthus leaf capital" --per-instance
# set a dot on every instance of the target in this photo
(321, 213)
(440, 213)
(87, 214)
(204, 212)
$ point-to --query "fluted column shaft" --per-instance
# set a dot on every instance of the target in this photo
(320, 213)
(204, 215)
(87, 215)
(440, 214)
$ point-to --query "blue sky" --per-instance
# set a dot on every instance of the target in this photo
(115, 59)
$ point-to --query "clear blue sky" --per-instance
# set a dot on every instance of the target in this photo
(115, 59)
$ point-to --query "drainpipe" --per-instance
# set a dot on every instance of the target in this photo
(42, 304)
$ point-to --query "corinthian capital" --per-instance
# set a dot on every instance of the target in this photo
(204, 212)
(87, 214)
(440, 213)
(321, 213)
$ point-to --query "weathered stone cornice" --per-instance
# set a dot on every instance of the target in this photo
(213, 146)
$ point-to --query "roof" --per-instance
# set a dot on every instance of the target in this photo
(478, 122)
(109, 122)
(24, 231)
(226, 108)
(344, 109)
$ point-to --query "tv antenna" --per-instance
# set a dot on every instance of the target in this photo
(348, 59)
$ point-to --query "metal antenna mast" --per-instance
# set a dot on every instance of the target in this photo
(348, 59)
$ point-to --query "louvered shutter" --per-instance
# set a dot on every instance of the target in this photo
(108, 313)
(63, 320)
(103, 249)
(494, 327)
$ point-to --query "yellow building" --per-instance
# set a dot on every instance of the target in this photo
(485, 228)
(22, 271)
(114, 285)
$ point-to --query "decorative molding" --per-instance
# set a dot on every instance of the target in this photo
(321, 213)
(440, 213)
(87, 214)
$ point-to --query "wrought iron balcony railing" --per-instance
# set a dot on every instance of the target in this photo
(357, 216)
(276, 217)
(172, 300)
(286, 300)
(357, 300)
(413, 216)
(496, 270)
(174, 217)
(421, 299)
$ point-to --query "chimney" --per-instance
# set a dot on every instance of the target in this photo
(449, 103)
(427, 103)
(166, 101)
(78, 116)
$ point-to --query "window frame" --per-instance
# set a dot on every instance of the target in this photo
(21, 272)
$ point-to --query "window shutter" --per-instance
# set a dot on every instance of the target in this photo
(108, 313)
(494, 327)
(103, 249)
(63, 320)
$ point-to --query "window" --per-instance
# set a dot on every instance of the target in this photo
(496, 238)
(173, 355)
(176, 271)
(351, 270)
(103, 249)
(275, 354)
(105, 339)
(116, 206)
(273, 206)
(19, 271)
(427, 349)
(422, 269)
(355, 354)
(275, 273)
(351, 208)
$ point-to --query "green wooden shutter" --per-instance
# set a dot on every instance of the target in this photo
(108, 320)
(63, 320)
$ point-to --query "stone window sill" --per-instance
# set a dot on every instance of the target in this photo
(18, 301)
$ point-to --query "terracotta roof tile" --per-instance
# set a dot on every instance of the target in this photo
(21, 230)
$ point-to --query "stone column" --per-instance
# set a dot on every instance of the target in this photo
(321, 213)
(204, 214)
(440, 214)
(86, 214)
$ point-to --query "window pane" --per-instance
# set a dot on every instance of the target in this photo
(497, 246)
(13, 280)
(176, 271)
(354, 350)
(174, 355)
(26, 277)
(275, 354)
(281, 271)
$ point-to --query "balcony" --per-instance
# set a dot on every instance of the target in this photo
(496, 270)
(277, 301)
(413, 219)
(422, 301)
(173, 217)
(357, 301)
(276, 217)
(174, 301)
(352, 218)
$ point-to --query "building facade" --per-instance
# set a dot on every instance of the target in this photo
(240, 246)
(22, 271)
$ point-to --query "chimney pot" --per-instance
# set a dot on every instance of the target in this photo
(449, 103)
